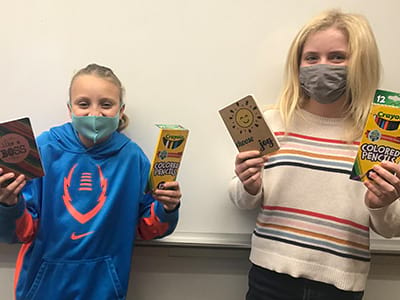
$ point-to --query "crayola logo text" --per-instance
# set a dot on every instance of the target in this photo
(388, 116)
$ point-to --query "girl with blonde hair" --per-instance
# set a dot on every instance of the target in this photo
(311, 238)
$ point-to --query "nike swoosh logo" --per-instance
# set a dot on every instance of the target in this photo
(79, 236)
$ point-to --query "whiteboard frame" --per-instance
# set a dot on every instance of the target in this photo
(243, 241)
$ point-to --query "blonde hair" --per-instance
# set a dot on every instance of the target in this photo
(104, 73)
(363, 69)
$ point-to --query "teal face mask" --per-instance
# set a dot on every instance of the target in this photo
(95, 128)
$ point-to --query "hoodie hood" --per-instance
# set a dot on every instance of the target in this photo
(68, 140)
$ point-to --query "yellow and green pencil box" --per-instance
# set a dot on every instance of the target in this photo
(381, 136)
(167, 155)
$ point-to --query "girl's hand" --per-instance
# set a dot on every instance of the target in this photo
(383, 185)
(9, 193)
(169, 196)
(248, 168)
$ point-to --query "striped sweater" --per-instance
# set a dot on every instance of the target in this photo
(313, 222)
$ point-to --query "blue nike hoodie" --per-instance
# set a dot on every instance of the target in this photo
(79, 222)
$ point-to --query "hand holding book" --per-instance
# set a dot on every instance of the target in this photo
(18, 151)
(248, 168)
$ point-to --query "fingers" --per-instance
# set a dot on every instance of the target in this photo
(242, 156)
(169, 196)
(389, 171)
(251, 158)
(9, 193)
(248, 163)
(19, 184)
(384, 184)
(255, 178)
(5, 177)
(390, 166)
(170, 185)
(248, 168)
(388, 177)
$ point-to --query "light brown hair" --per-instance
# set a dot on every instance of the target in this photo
(107, 74)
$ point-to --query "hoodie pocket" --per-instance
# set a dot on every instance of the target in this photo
(79, 280)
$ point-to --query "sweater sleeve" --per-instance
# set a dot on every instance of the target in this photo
(18, 223)
(155, 221)
(385, 221)
(241, 198)
(8, 221)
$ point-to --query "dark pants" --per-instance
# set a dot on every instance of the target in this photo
(268, 285)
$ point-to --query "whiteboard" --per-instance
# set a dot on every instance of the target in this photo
(180, 62)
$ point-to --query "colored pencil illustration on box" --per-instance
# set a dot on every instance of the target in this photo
(167, 155)
(381, 137)
(247, 127)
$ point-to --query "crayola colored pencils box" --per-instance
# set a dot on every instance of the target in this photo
(167, 155)
(381, 137)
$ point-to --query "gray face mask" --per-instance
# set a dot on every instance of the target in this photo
(323, 83)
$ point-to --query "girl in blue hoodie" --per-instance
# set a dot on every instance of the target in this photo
(78, 223)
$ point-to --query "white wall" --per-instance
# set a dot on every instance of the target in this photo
(180, 61)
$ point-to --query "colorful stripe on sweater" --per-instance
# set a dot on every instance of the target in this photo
(305, 228)
(314, 231)
(313, 153)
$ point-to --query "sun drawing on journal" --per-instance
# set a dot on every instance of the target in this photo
(244, 118)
